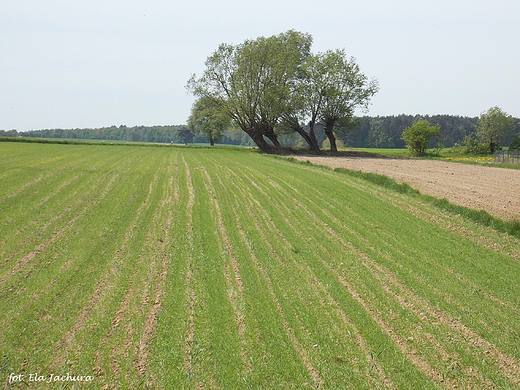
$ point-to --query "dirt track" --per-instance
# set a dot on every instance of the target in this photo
(496, 190)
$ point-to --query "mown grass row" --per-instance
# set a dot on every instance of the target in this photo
(187, 268)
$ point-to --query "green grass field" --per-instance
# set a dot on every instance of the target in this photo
(186, 268)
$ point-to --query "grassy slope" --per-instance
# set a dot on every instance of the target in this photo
(186, 268)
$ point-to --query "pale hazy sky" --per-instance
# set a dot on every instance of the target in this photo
(90, 63)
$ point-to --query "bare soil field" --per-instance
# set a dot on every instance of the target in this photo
(495, 190)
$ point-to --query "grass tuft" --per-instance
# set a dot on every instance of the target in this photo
(381, 180)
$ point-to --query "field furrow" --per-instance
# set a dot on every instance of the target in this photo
(302, 352)
(325, 299)
(501, 361)
(282, 260)
(208, 268)
(126, 325)
(191, 297)
(232, 276)
(295, 226)
(32, 261)
(109, 281)
(158, 279)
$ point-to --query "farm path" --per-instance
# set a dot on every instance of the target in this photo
(494, 190)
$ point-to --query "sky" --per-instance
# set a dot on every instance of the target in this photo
(89, 63)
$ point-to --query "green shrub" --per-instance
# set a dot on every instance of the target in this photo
(515, 144)
(417, 136)
(475, 147)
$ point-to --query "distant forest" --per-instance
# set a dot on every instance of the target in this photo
(386, 131)
(157, 134)
(370, 132)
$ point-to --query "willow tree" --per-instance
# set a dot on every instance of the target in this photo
(329, 88)
(275, 83)
(340, 87)
(252, 83)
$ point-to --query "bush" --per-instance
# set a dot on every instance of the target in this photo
(417, 136)
(475, 147)
(515, 144)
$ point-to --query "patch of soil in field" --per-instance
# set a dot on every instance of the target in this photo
(495, 190)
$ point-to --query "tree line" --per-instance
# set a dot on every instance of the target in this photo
(370, 132)
(178, 134)
(161, 134)
(386, 131)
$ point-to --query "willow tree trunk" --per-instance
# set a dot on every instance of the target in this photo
(309, 137)
(269, 133)
(329, 127)
(259, 140)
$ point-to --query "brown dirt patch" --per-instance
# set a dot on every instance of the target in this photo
(494, 190)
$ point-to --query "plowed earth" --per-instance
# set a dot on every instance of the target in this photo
(495, 190)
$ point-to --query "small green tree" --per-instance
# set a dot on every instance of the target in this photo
(493, 125)
(185, 136)
(417, 136)
(515, 143)
(207, 117)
